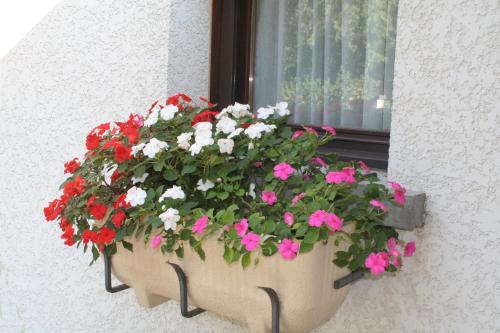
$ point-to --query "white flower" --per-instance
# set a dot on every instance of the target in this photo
(202, 137)
(282, 109)
(225, 125)
(237, 110)
(204, 186)
(170, 217)
(152, 118)
(251, 190)
(168, 112)
(250, 146)
(183, 140)
(195, 149)
(255, 131)
(203, 126)
(140, 179)
(236, 132)
(153, 147)
(264, 113)
(135, 196)
(137, 148)
(175, 192)
(225, 145)
(108, 171)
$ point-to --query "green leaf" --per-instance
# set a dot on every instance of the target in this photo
(200, 252)
(246, 259)
(305, 247)
(189, 168)
(223, 195)
(180, 252)
(340, 262)
(302, 231)
(128, 246)
(158, 166)
(170, 174)
(269, 226)
(312, 236)
(185, 234)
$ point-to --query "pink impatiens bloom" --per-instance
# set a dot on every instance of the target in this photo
(297, 134)
(283, 171)
(317, 218)
(364, 167)
(269, 197)
(399, 193)
(330, 130)
(391, 246)
(200, 224)
(346, 175)
(241, 227)
(410, 249)
(298, 197)
(156, 241)
(251, 241)
(288, 249)
(378, 204)
(311, 130)
(289, 218)
(333, 221)
(377, 262)
(319, 161)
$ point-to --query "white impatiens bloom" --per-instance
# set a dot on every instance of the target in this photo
(195, 149)
(168, 112)
(225, 145)
(135, 196)
(264, 113)
(251, 190)
(183, 140)
(175, 192)
(237, 110)
(236, 132)
(202, 137)
(137, 148)
(282, 109)
(255, 131)
(251, 146)
(140, 179)
(153, 147)
(225, 125)
(152, 118)
(170, 217)
(204, 185)
(108, 171)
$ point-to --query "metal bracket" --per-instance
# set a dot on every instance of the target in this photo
(107, 276)
(344, 281)
(275, 308)
(183, 293)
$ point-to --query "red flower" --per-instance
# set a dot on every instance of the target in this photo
(105, 235)
(92, 141)
(64, 223)
(53, 210)
(177, 99)
(75, 187)
(68, 235)
(88, 235)
(98, 211)
(204, 116)
(72, 166)
(209, 104)
(130, 129)
(120, 202)
(118, 218)
(122, 153)
(117, 175)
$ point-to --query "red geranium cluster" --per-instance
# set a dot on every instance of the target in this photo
(72, 166)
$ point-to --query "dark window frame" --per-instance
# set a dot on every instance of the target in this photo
(231, 62)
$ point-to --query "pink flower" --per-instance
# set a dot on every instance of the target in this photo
(346, 175)
(297, 134)
(317, 218)
(283, 171)
(200, 225)
(319, 161)
(251, 241)
(399, 193)
(289, 218)
(330, 130)
(364, 167)
(156, 241)
(311, 130)
(288, 249)
(410, 249)
(269, 197)
(391, 246)
(241, 227)
(333, 221)
(258, 164)
(377, 262)
(297, 198)
(378, 204)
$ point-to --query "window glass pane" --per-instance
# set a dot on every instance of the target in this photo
(332, 60)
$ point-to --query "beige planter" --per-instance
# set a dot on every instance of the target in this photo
(304, 285)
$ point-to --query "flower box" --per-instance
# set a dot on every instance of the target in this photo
(304, 285)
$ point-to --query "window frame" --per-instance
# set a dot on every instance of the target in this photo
(231, 69)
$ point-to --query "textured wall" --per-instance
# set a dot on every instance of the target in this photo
(91, 60)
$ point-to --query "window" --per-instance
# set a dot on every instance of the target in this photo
(332, 60)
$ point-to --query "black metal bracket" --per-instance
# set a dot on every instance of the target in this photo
(275, 308)
(183, 293)
(344, 281)
(107, 276)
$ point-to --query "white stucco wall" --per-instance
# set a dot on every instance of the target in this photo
(94, 60)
